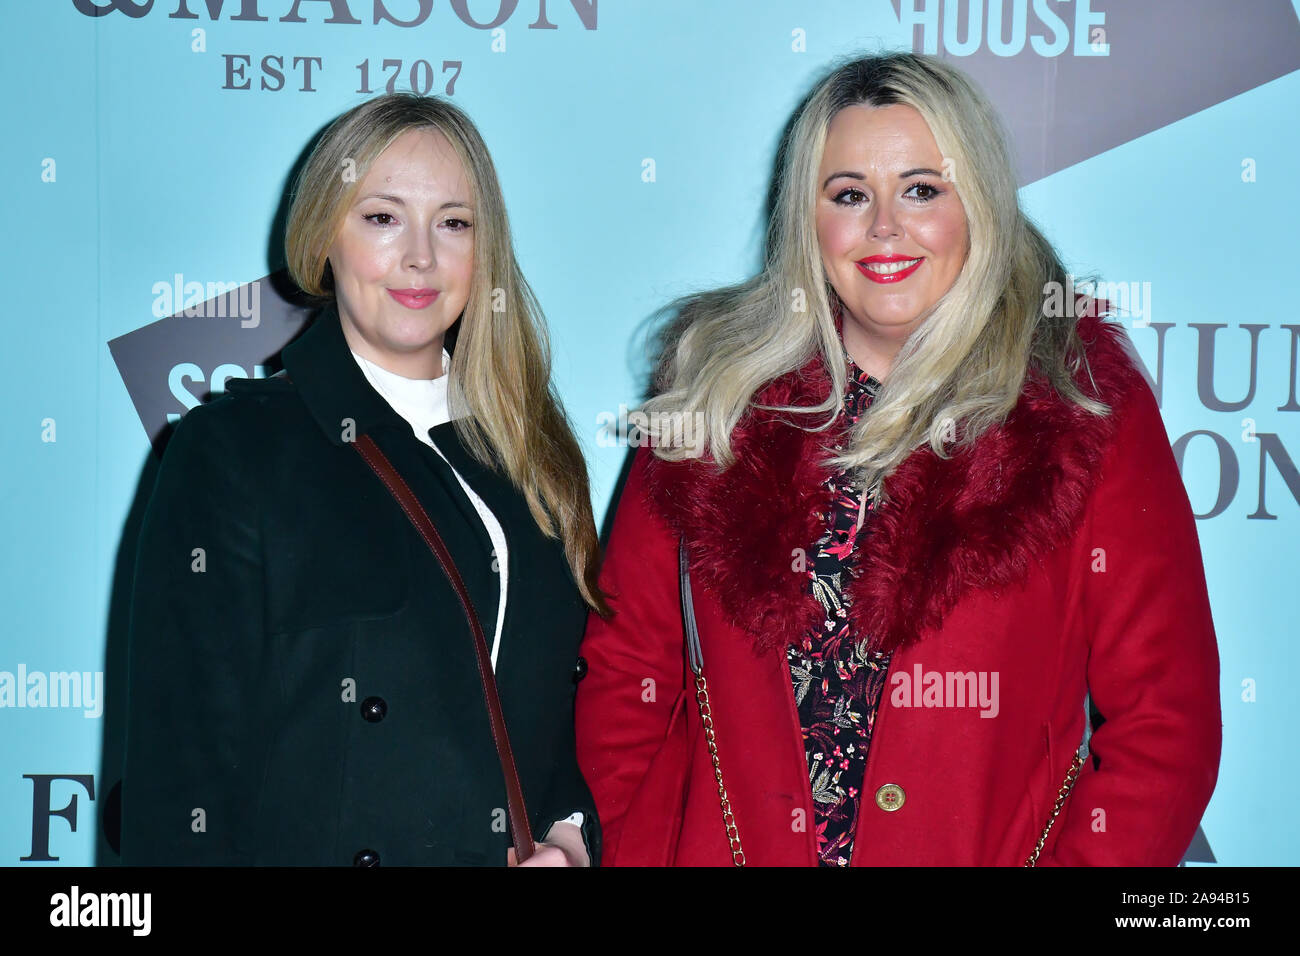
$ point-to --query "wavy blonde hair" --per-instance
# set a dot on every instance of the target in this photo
(958, 373)
(499, 385)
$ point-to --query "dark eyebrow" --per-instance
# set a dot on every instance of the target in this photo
(398, 201)
(919, 171)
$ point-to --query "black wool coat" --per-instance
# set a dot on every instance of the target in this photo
(301, 676)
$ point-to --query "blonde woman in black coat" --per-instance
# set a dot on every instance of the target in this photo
(302, 676)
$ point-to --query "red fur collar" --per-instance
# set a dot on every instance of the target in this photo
(976, 520)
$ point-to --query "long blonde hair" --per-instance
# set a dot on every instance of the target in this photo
(499, 386)
(958, 373)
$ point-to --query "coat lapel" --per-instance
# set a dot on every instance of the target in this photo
(979, 519)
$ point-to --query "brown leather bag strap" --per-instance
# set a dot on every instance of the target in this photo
(519, 828)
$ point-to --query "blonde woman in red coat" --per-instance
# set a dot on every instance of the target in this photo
(930, 514)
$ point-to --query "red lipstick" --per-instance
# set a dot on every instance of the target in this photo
(895, 274)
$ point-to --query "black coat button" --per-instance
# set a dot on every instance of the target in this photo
(373, 709)
(580, 669)
(365, 858)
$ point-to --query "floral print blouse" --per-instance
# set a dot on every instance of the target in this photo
(837, 681)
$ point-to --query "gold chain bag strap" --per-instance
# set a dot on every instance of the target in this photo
(695, 657)
(1071, 775)
(1067, 785)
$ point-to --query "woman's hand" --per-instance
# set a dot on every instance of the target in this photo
(563, 847)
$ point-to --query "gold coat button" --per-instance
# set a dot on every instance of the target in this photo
(890, 797)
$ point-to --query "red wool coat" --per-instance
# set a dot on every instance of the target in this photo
(1055, 557)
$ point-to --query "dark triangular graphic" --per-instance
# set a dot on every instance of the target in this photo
(1199, 851)
(1168, 59)
(218, 336)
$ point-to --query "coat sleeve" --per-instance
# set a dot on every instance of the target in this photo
(192, 769)
(569, 796)
(635, 659)
(1153, 666)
